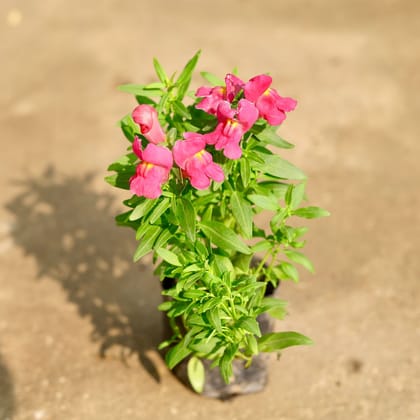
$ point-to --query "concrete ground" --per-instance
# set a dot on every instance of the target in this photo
(78, 324)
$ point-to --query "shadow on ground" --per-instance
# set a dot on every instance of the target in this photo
(7, 403)
(69, 229)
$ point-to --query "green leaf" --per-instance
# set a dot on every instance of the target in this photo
(252, 344)
(185, 214)
(145, 100)
(168, 256)
(140, 90)
(165, 306)
(181, 110)
(297, 195)
(214, 80)
(196, 374)
(121, 179)
(184, 78)
(245, 171)
(142, 209)
(281, 340)
(267, 202)
(311, 212)
(226, 362)
(269, 136)
(176, 354)
(223, 237)
(276, 166)
(299, 258)
(242, 212)
(160, 72)
(147, 241)
(289, 271)
(214, 318)
(123, 163)
(242, 261)
(163, 238)
(129, 127)
(250, 324)
(288, 195)
(274, 307)
(263, 245)
(159, 209)
(222, 264)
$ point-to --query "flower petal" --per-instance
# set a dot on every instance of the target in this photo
(214, 171)
(158, 155)
(233, 86)
(186, 149)
(257, 86)
(137, 147)
(247, 114)
(147, 118)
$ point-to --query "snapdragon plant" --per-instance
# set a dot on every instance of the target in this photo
(200, 166)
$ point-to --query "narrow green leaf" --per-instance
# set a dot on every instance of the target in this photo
(145, 100)
(121, 179)
(211, 78)
(242, 212)
(185, 214)
(123, 162)
(196, 374)
(222, 265)
(311, 212)
(276, 166)
(129, 127)
(245, 171)
(223, 237)
(181, 109)
(267, 202)
(281, 340)
(274, 307)
(147, 241)
(289, 271)
(299, 258)
(165, 306)
(159, 71)
(250, 324)
(263, 245)
(214, 318)
(226, 362)
(252, 344)
(184, 78)
(140, 90)
(168, 256)
(159, 209)
(142, 209)
(177, 354)
(288, 195)
(298, 195)
(269, 136)
(242, 261)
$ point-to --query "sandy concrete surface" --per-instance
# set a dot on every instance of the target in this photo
(78, 325)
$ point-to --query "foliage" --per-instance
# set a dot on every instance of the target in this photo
(201, 237)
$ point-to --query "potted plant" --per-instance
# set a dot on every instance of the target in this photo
(200, 167)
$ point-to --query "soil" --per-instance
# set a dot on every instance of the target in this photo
(78, 320)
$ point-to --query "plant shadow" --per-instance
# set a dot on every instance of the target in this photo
(69, 229)
(7, 401)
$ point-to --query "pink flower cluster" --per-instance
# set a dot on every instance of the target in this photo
(237, 106)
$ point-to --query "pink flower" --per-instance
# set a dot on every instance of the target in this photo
(152, 171)
(270, 104)
(233, 124)
(196, 163)
(214, 96)
(147, 118)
